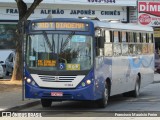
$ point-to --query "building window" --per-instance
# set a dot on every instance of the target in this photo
(7, 36)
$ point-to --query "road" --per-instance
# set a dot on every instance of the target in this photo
(148, 101)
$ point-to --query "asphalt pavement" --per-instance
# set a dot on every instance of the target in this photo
(13, 99)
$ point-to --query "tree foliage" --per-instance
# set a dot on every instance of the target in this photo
(24, 13)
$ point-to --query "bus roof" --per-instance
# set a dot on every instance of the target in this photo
(124, 26)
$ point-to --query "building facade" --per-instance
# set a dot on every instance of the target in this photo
(149, 15)
(122, 10)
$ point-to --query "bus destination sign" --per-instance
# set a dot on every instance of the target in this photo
(76, 26)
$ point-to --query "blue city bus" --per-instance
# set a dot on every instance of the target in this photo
(86, 60)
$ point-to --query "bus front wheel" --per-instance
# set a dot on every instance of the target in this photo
(46, 102)
(102, 103)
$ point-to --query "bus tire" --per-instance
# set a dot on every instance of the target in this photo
(102, 103)
(136, 91)
(46, 102)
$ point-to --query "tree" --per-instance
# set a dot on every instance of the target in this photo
(24, 13)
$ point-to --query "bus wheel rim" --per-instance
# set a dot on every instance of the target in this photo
(106, 95)
(137, 88)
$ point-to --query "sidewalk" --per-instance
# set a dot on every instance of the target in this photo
(13, 100)
(10, 100)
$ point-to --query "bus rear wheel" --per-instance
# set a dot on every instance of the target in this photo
(136, 91)
(102, 103)
(46, 102)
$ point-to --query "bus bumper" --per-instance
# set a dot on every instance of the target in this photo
(85, 93)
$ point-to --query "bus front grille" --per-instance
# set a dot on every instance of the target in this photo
(49, 81)
(57, 78)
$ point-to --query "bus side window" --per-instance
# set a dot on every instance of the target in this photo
(100, 40)
(147, 37)
(138, 37)
(120, 36)
(127, 37)
(108, 36)
(116, 45)
(134, 43)
(139, 48)
(123, 36)
(150, 45)
(130, 46)
(99, 46)
(111, 36)
(115, 37)
(141, 40)
(131, 37)
(124, 43)
(138, 45)
(134, 37)
(108, 43)
(150, 38)
(144, 37)
(144, 45)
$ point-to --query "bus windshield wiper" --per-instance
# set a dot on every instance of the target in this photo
(47, 41)
(63, 45)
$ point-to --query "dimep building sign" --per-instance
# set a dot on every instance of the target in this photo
(149, 13)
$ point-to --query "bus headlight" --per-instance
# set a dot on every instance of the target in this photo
(29, 80)
(88, 82)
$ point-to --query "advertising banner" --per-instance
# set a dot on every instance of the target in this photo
(149, 13)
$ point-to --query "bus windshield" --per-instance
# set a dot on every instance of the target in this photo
(53, 51)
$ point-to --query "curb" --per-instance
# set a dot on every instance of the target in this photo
(23, 106)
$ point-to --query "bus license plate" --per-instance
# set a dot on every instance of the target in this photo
(56, 94)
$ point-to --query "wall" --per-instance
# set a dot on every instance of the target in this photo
(10, 12)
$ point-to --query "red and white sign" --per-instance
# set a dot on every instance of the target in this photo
(149, 13)
(144, 19)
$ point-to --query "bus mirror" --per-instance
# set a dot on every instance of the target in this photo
(97, 33)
